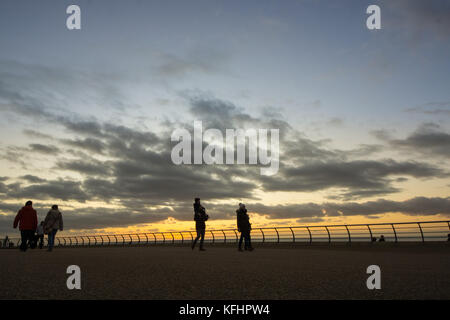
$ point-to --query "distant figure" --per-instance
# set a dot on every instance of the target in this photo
(244, 227)
(27, 220)
(53, 222)
(200, 217)
(40, 234)
(5, 242)
(381, 239)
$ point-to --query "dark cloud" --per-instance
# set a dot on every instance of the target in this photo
(32, 178)
(87, 144)
(46, 149)
(429, 139)
(415, 206)
(435, 143)
(85, 167)
(359, 178)
(62, 189)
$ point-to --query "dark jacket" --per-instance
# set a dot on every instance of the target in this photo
(243, 220)
(200, 216)
(26, 218)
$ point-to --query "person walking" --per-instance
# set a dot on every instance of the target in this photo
(26, 218)
(244, 227)
(52, 223)
(200, 217)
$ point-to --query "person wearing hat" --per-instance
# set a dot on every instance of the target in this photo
(244, 227)
(200, 217)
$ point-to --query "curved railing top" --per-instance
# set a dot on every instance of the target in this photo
(268, 228)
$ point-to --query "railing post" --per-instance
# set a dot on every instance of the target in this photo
(76, 239)
(123, 240)
(154, 236)
(109, 240)
(214, 239)
(329, 235)
(139, 239)
(182, 238)
(164, 237)
(421, 231)
(192, 236)
(236, 236)
(370, 231)
(173, 238)
(117, 240)
(101, 237)
(310, 235)
(59, 242)
(293, 235)
(264, 237)
(395, 232)
(70, 239)
(224, 237)
(349, 236)
(278, 236)
(146, 239)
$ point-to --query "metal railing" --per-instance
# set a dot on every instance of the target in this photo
(426, 231)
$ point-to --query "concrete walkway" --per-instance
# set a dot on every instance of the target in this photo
(171, 272)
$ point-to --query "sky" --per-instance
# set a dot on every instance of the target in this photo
(87, 115)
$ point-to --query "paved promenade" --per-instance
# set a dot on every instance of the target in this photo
(175, 272)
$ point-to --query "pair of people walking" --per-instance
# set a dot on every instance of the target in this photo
(27, 221)
(243, 225)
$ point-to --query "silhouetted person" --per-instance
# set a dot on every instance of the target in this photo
(40, 234)
(244, 227)
(53, 222)
(27, 220)
(200, 217)
(381, 239)
(5, 242)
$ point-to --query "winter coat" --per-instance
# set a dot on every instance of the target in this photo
(53, 220)
(200, 216)
(26, 218)
(243, 220)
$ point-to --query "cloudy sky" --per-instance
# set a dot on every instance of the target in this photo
(86, 115)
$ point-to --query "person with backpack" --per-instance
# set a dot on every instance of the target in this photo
(200, 217)
(26, 218)
(244, 227)
(52, 223)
